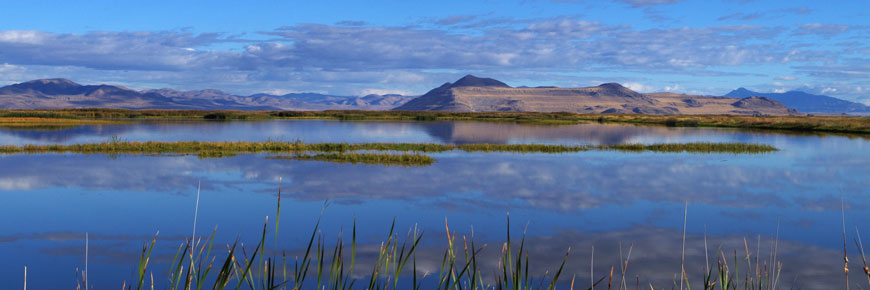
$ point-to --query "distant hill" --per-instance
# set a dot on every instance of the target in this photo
(474, 94)
(806, 102)
(63, 93)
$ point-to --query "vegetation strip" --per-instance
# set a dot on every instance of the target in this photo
(219, 149)
(833, 124)
(42, 122)
(366, 158)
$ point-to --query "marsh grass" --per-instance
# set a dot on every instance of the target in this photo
(325, 266)
(215, 154)
(365, 158)
(40, 122)
(698, 147)
(34, 127)
(224, 149)
(40, 114)
(834, 124)
(198, 264)
(346, 115)
(521, 148)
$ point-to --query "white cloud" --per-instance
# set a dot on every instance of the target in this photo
(385, 92)
(346, 59)
(279, 92)
(18, 183)
(7, 67)
(638, 87)
(821, 29)
(558, 43)
(22, 36)
(829, 90)
(165, 51)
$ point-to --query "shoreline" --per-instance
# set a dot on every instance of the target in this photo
(827, 124)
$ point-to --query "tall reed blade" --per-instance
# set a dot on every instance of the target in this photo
(144, 259)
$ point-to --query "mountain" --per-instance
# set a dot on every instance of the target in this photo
(474, 94)
(468, 94)
(63, 93)
(806, 102)
(473, 81)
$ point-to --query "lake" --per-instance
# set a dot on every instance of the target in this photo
(788, 201)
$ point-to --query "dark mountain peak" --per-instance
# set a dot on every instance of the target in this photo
(473, 81)
(613, 86)
(756, 102)
(741, 92)
(213, 91)
(615, 89)
(63, 93)
(53, 82)
(43, 86)
(806, 102)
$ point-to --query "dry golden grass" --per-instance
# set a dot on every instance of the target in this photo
(219, 149)
(41, 121)
(837, 124)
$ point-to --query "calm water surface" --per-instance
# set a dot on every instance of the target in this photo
(576, 200)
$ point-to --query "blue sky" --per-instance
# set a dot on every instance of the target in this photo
(360, 47)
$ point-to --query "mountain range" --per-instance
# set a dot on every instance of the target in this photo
(474, 94)
(468, 94)
(807, 103)
(63, 93)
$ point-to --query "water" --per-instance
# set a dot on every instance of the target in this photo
(575, 200)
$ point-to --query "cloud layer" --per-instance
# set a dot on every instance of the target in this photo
(353, 56)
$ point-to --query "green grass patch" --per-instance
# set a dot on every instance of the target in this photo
(221, 149)
(36, 114)
(521, 148)
(366, 158)
(38, 122)
(700, 147)
(214, 154)
(832, 124)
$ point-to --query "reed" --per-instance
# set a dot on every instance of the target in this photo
(333, 266)
(198, 264)
(698, 147)
(833, 124)
(366, 158)
(222, 149)
(29, 122)
(521, 148)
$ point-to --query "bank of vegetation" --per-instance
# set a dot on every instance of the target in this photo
(831, 124)
(365, 158)
(216, 149)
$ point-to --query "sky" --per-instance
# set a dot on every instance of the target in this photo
(360, 47)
